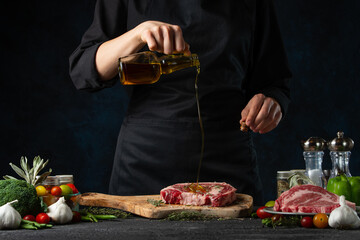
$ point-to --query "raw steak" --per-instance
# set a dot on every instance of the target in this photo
(308, 199)
(211, 193)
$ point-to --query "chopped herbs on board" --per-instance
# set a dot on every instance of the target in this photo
(107, 211)
(154, 202)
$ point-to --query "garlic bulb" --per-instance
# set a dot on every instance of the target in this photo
(9, 217)
(344, 217)
(60, 212)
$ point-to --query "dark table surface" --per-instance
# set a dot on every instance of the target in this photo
(141, 228)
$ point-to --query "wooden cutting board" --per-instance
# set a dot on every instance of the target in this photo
(138, 205)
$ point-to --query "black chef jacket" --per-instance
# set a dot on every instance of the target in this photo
(241, 54)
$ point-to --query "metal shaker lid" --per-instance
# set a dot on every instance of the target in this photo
(314, 144)
(341, 143)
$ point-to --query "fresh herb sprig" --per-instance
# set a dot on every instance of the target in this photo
(154, 202)
(288, 221)
(30, 174)
(107, 211)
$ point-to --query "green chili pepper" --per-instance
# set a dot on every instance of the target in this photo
(105, 217)
(340, 185)
(28, 226)
(355, 189)
(86, 219)
(35, 224)
(89, 217)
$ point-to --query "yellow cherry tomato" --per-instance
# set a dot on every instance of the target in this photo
(40, 190)
(320, 220)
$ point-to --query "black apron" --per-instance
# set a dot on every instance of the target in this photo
(156, 149)
(160, 140)
(241, 54)
(154, 154)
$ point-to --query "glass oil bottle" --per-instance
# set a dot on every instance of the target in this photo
(147, 67)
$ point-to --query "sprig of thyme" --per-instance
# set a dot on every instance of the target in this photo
(107, 211)
(154, 202)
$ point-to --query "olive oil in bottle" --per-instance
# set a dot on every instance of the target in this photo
(147, 67)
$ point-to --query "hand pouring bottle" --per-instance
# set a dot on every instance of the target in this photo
(313, 156)
(147, 67)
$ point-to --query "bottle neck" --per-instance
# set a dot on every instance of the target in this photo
(172, 63)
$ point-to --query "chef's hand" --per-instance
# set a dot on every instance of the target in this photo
(262, 114)
(159, 36)
(163, 37)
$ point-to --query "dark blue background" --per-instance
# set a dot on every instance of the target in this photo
(42, 113)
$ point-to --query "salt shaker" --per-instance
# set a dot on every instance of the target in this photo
(313, 156)
(340, 150)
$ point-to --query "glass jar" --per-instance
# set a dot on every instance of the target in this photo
(65, 179)
(70, 198)
(282, 180)
(49, 183)
(56, 181)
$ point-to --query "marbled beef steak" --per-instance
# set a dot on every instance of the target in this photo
(208, 193)
(308, 199)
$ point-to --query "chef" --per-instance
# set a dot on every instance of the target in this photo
(244, 78)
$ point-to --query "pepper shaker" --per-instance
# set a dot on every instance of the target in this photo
(340, 151)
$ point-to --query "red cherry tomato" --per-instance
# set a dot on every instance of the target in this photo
(76, 217)
(262, 214)
(42, 218)
(307, 222)
(29, 218)
(74, 189)
(56, 191)
(276, 218)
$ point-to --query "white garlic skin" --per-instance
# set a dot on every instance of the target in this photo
(344, 217)
(9, 217)
(60, 212)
